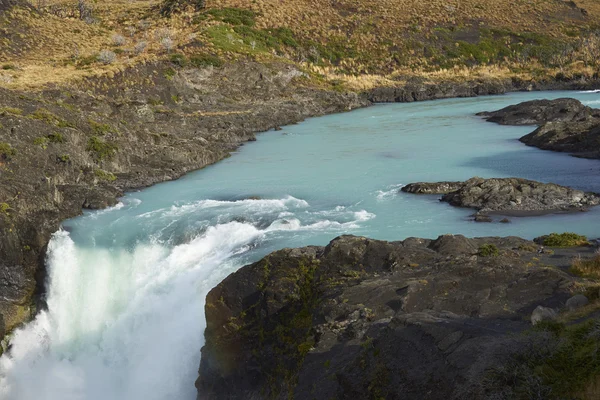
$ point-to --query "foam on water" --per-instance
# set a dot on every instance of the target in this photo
(126, 285)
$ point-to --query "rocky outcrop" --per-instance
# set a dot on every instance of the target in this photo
(361, 319)
(565, 125)
(510, 196)
(432, 187)
(537, 112)
(64, 150)
(580, 138)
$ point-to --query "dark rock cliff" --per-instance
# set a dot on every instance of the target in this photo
(367, 319)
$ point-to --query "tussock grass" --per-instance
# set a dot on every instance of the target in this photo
(588, 268)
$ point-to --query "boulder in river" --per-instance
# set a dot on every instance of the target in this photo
(564, 125)
(537, 112)
(515, 196)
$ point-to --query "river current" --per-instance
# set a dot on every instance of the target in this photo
(126, 286)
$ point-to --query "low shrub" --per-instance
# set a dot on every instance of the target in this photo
(107, 57)
(488, 250)
(100, 149)
(205, 60)
(178, 59)
(233, 16)
(105, 176)
(6, 151)
(567, 239)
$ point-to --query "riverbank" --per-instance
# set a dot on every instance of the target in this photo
(82, 146)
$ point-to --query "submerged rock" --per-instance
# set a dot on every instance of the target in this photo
(515, 196)
(362, 318)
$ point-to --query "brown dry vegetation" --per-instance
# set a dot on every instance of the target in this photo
(361, 43)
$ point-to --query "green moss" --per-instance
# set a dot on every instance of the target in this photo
(65, 158)
(8, 67)
(98, 128)
(246, 39)
(488, 250)
(10, 111)
(233, 16)
(567, 239)
(104, 175)
(6, 151)
(56, 137)
(178, 59)
(41, 141)
(4, 208)
(170, 73)
(100, 149)
(205, 60)
(48, 117)
(86, 61)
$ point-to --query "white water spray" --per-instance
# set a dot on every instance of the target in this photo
(127, 324)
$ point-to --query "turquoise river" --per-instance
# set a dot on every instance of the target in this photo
(126, 285)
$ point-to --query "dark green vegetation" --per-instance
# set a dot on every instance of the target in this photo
(567, 239)
(488, 250)
(554, 362)
(101, 149)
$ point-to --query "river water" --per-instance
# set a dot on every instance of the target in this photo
(126, 285)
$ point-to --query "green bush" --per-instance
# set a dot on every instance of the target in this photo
(4, 208)
(101, 149)
(56, 137)
(567, 239)
(488, 250)
(6, 151)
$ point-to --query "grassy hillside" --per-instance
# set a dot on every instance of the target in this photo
(360, 42)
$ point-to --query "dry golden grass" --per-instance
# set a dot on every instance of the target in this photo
(44, 49)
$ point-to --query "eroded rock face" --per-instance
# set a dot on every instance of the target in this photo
(565, 125)
(537, 112)
(509, 195)
(362, 319)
